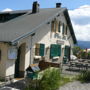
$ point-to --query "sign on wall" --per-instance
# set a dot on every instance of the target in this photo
(12, 53)
(60, 42)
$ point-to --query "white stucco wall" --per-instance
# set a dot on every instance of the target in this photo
(6, 66)
(3, 49)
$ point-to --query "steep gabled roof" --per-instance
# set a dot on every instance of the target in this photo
(70, 25)
(24, 25)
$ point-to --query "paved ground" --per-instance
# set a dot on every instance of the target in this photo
(19, 85)
(76, 86)
(73, 85)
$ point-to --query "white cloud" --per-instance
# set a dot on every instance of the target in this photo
(7, 10)
(80, 18)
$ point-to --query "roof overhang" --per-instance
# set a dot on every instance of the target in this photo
(70, 26)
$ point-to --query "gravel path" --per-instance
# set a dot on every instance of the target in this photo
(76, 86)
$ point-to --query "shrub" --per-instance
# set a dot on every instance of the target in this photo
(50, 80)
(84, 76)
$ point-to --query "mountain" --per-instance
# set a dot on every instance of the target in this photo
(84, 44)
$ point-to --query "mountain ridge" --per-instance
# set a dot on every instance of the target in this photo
(83, 44)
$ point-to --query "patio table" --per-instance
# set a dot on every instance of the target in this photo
(80, 65)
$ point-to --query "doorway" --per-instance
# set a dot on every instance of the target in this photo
(20, 62)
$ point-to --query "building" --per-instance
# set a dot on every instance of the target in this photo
(28, 36)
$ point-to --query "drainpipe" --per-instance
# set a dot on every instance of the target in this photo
(31, 47)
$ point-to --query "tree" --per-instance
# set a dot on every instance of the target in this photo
(76, 51)
(88, 55)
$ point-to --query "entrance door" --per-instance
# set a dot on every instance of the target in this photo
(17, 63)
(20, 62)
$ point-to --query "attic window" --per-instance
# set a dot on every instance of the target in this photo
(55, 26)
(59, 27)
(66, 30)
(52, 26)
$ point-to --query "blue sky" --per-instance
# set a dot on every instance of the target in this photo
(26, 4)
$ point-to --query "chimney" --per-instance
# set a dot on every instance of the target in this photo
(58, 5)
(35, 7)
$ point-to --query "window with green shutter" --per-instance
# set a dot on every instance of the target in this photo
(39, 50)
(55, 50)
(59, 50)
(42, 48)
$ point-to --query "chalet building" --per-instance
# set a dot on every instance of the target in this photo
(28, 36)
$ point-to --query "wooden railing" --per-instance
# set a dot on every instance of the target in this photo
(43, 65)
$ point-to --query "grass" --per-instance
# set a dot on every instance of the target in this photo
(67, 78)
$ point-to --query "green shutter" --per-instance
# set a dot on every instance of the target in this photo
(42, 48)
(55, 50)
(59, 50)
(67, 51)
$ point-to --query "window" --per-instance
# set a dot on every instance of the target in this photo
(37, 46)
(55, 50)
(52, 26)
(63, 27)
(59, 25)
(55, 26)
(66, 29)
(39, 49)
